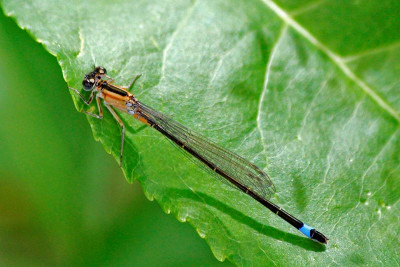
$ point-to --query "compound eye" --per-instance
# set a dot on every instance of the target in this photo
(101, 70)
(88, 84)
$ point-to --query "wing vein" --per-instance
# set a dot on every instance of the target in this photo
(229, 163)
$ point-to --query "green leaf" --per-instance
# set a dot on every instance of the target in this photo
(307, 91)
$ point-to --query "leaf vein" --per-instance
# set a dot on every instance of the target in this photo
(388, 141)
(309, 108)
(334, 57)
(179, 27)
(224, 55)
(266, 79)
(307, 7)
(373, 51)
(376, 158)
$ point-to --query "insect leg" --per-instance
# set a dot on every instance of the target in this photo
(118, 119)
(132, 83)
(87, 102)
(100, 115)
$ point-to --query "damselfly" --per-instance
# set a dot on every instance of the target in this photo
(242, 174)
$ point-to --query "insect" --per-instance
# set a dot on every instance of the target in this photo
(238, 171)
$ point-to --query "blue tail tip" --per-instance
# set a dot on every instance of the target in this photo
(306, 229)
(310, 232)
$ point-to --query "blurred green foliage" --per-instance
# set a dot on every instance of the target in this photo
(62, 199)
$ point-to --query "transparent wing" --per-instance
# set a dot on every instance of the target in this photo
(230, 163)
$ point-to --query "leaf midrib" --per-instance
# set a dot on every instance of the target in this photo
(334, 57)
